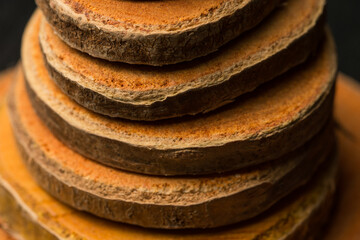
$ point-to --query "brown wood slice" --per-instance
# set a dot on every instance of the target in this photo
(283, 41)
(152, 32)
(30, 211)
(281, 115)
(157, 202)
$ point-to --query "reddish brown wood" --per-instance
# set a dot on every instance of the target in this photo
(346, 219)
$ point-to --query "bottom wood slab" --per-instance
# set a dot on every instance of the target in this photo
(33, 214)
(155, 201)
(345, 222)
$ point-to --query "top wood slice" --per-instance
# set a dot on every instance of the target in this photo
(152, 32)
(134, 92)
(151, 201)
(32, 213)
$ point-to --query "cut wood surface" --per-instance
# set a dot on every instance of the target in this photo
(44, 218)
(281, 115)
(158, 202)
(152, 32)
(345, 221)
(148, 93)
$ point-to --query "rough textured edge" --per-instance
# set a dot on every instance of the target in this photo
(187, 161)
(85, 16)
(301, 30)
(143, 159)
(157, 49)
(184, 194)
(208, 214)
(98, 125)
(16, 209)
(30, 227)
(291, 157)
(312, 20)
(197, 100)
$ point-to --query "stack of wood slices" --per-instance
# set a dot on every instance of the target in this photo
(208, 119)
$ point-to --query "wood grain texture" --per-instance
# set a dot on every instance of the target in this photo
(345, 221)
(158, 202)
(149, 93)
(114, 30)
(279, 115)
(44, 218)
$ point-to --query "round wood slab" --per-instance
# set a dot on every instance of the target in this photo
(152, 32)
(45, 218)
(345, 221)
(151, 201)
(286, 39)
(280, 115)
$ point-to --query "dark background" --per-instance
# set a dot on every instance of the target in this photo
(343, 16)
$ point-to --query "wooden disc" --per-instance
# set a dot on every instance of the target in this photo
(44, 218)
(281, 115)
(345, 220)
(148, 93)
(157, 202)
(152, 32)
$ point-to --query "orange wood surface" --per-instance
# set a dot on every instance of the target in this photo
(345, 222)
